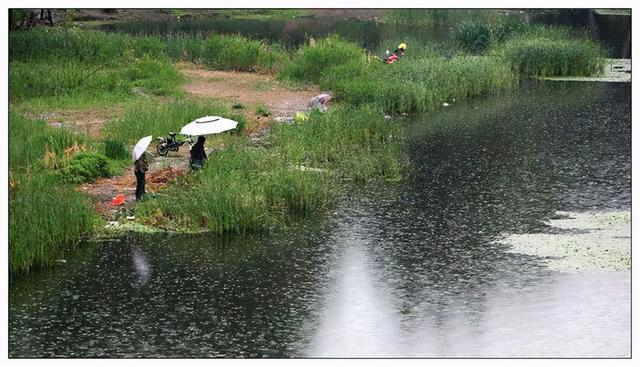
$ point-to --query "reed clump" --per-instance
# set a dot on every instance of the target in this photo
(550, 54)
(234, 52)
(322, 59)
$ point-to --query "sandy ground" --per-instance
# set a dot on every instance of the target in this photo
(591, 241)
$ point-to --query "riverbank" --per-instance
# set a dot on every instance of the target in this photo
(156, 88)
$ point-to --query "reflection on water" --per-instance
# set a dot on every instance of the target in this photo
(141, 266)
(359, 318)
(410, 269)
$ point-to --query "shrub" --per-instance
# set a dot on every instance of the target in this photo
(85, 167)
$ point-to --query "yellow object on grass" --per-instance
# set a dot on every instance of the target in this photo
(300, 117)
(402, 46)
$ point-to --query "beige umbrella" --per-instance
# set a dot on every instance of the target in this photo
(208, 125)
(140, 147)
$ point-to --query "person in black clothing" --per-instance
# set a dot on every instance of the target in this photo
(141, 166)
(198, 155)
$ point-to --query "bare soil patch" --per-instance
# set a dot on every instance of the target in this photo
(250, 89)
(162, 171)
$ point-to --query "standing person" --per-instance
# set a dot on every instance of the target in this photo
(140, 167)
(198, 154)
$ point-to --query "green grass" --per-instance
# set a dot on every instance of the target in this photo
(144, 119)
(263, 111)
(58, 43)
(357, 143)
(241, 189)
(414, 84)
(70, 78)
(472, 36)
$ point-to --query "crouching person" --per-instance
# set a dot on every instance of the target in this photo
(198, 154)
(320, 102)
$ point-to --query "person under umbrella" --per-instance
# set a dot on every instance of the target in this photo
(140, 165)
(198, 154)
(206, 125)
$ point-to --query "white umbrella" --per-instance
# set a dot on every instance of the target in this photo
(208, 125)
(140, 147)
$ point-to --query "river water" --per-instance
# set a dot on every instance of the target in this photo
(395, 270)
(611, 31)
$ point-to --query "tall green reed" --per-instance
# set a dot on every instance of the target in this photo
(46, 218)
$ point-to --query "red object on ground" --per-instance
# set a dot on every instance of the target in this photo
(118, 200)
(392, 59)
